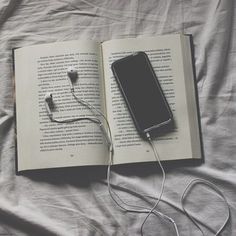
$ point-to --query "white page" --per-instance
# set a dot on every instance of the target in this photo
(41, 69)
(165, 54)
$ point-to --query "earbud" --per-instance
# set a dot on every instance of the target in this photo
(48, 97)
(72, 74)
(48, 101)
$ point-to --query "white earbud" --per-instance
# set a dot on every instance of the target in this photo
(72, 74)
(48, 101)
(48, 97)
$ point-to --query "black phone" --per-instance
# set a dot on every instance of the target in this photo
(142, 92)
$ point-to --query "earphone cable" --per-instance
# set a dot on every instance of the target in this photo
(133, 208)
(97, 113)
(74, 120)
(209, 184)
(110, 161)
(163, 180)
(141, 209)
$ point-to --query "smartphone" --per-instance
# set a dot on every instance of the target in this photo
(142, 93)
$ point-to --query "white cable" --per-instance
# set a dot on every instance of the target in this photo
(162, 184)
(97, 113)
(190, 185)
(112, 193)
(141, 208)
(71, 120)
(110, 161)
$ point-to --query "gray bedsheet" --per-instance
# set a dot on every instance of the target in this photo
(76, 201)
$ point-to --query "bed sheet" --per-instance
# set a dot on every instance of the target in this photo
(75, 201)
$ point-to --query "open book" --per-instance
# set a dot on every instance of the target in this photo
(40, 69)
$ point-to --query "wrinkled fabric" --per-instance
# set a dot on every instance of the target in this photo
(76, 201)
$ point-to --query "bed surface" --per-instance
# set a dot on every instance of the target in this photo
(75, 201)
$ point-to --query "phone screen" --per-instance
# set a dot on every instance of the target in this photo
(142, 92)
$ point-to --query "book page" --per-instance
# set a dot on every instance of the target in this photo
(165, 54)
(42, 69)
